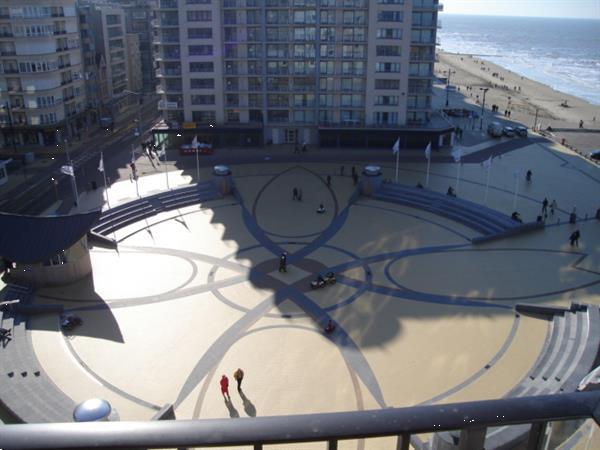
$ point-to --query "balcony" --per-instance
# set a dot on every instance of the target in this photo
(161, 73)
(8, 53)
(164, 56)
(58, 32)
(167, 4)
(6, 34)
(10, 70)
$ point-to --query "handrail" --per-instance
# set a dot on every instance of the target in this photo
(328, 427)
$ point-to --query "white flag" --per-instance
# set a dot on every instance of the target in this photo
(457, 154)
(396, 147)
(67, 170)
(101, 164)
(195, 144)
(428, 152)
(488, 163)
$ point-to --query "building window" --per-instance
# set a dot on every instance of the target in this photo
(387, 67)
(200, 33)
(385, 118)
(389, 33)
(202, 83)
(204, 116)
(387, 100)
(233, 115)
(387, 84)
(278, 116)
(390, 16)
(203, 99)
(200, 50)
(388, 50)
(199, 16)
(202, 66)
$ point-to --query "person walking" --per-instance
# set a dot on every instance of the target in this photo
(528, 176)
(328, 180)
(299, 194)
(295, 194)
(238, 375)
(354, 179)
(283, 262)
(353, 170)
(225, 388)
(574, 238)
(545, 206)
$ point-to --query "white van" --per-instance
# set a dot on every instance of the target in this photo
(494, 129)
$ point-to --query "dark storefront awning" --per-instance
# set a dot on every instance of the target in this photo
(32, 239)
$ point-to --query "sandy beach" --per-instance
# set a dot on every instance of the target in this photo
(522, 96)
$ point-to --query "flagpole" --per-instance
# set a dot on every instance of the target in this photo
(197, 167)
(104, 176)
(397, 163)
(73, 179)
(457, 176)
(516, 193)
(165, 164)
(134, 171)
(427, 178)
(487, 185)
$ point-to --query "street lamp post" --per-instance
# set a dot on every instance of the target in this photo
(450, 72)
(483, 106)
(55, 184)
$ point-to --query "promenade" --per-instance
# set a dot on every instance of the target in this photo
(422, 315)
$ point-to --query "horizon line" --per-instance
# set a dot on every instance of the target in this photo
(530, 17)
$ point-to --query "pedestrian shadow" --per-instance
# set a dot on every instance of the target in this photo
(233, 413)
(249, 407)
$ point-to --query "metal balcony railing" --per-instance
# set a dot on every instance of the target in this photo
(472, 418)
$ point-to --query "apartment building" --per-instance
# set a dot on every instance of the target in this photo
(134, 80)
(41, 77)
(138, 17)
(293, 71)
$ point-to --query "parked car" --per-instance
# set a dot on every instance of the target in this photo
(508, 131)
(595, 154)
(494, 129)
(203, 149)
(521, 131)
(323, 280)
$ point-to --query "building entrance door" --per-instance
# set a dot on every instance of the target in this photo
(291, 135)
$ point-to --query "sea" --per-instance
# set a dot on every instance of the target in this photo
(561, 53)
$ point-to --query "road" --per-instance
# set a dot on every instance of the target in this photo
(35, 194)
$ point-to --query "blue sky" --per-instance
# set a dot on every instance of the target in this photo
(588, 9)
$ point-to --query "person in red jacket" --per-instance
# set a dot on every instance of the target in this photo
(225, 388)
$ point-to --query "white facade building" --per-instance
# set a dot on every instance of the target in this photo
(296, 69)
(41, 81)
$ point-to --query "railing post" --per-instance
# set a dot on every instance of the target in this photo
(403, 442)
(537, 433)
(332, 445)
(472, 438)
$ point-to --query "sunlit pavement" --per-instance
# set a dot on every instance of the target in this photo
(419, 311)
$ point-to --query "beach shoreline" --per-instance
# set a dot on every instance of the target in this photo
(528, 101)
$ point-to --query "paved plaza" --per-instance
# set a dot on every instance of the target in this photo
(422, 315)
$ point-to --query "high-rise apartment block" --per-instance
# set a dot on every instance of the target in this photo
(41, 75)
(138, 18)
(297, 70)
